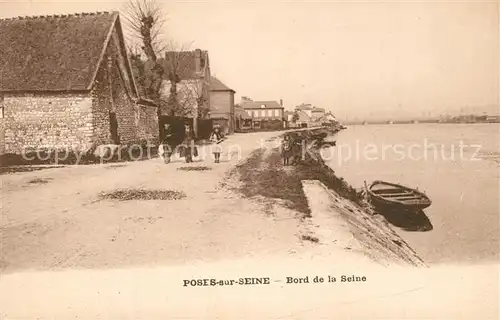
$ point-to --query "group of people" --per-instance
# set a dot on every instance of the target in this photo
(291, 149)
(186, 146)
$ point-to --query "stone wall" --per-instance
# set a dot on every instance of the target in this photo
(136, 123)
(47, 120)
(2, 137)
(101, 106)
(148, 124)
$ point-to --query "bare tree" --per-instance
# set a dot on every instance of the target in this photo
(162, 75)
(176, 66)
(192, 98)
(146, 20)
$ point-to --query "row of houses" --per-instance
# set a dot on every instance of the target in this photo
(68, 81)
(307, 115)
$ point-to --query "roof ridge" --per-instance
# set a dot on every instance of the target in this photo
(76, 14)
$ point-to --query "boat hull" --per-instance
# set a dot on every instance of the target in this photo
(386, 196)
(384, 205)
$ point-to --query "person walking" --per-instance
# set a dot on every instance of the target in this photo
(167, 143)
(216, 137)
(188, 144)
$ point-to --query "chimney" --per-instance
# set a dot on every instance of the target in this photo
(197, 60)
(281, 102)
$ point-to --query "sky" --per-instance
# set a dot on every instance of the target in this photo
(358, 59)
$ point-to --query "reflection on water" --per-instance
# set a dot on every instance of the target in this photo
(408, 221)
(457, 166)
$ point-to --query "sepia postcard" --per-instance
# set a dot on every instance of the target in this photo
(240, 159)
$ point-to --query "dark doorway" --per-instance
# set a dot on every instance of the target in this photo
(113, 122)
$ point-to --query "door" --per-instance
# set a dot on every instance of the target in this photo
(113, 123)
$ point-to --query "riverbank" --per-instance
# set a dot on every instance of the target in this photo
(262, 176)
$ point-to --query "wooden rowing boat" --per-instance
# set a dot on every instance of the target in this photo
(390, 196)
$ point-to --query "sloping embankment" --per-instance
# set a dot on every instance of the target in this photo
(263, 175)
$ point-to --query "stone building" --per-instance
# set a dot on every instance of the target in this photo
(222, 105)
(67, 83)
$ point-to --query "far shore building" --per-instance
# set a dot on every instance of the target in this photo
(222, 110)
(266, 115)
(66, 82)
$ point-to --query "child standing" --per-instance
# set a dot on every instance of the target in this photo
(216, 138)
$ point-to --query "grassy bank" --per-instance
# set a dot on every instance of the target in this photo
(263, 174)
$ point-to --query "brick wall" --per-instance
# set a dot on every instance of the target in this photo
(224, 102)
(47, 120)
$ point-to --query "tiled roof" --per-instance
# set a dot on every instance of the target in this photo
(217, 85)
(303, 117)
(261, 105)
(304, 107)
(183, 64)
(315, 109)
(240, 112)
(53, 53)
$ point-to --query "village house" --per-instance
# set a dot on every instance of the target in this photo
(266, 115)
(191, 69)
(66, 82)
(328, 119)
(308, 115)
(222, 106)
(243, 121)
(303, 120)
(317, 113)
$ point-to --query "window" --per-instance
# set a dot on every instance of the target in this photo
(256, 113)
(263, 113)
(249, 112)
(277, 113)
(269, 113)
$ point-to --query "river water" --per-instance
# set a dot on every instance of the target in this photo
(456, 165)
